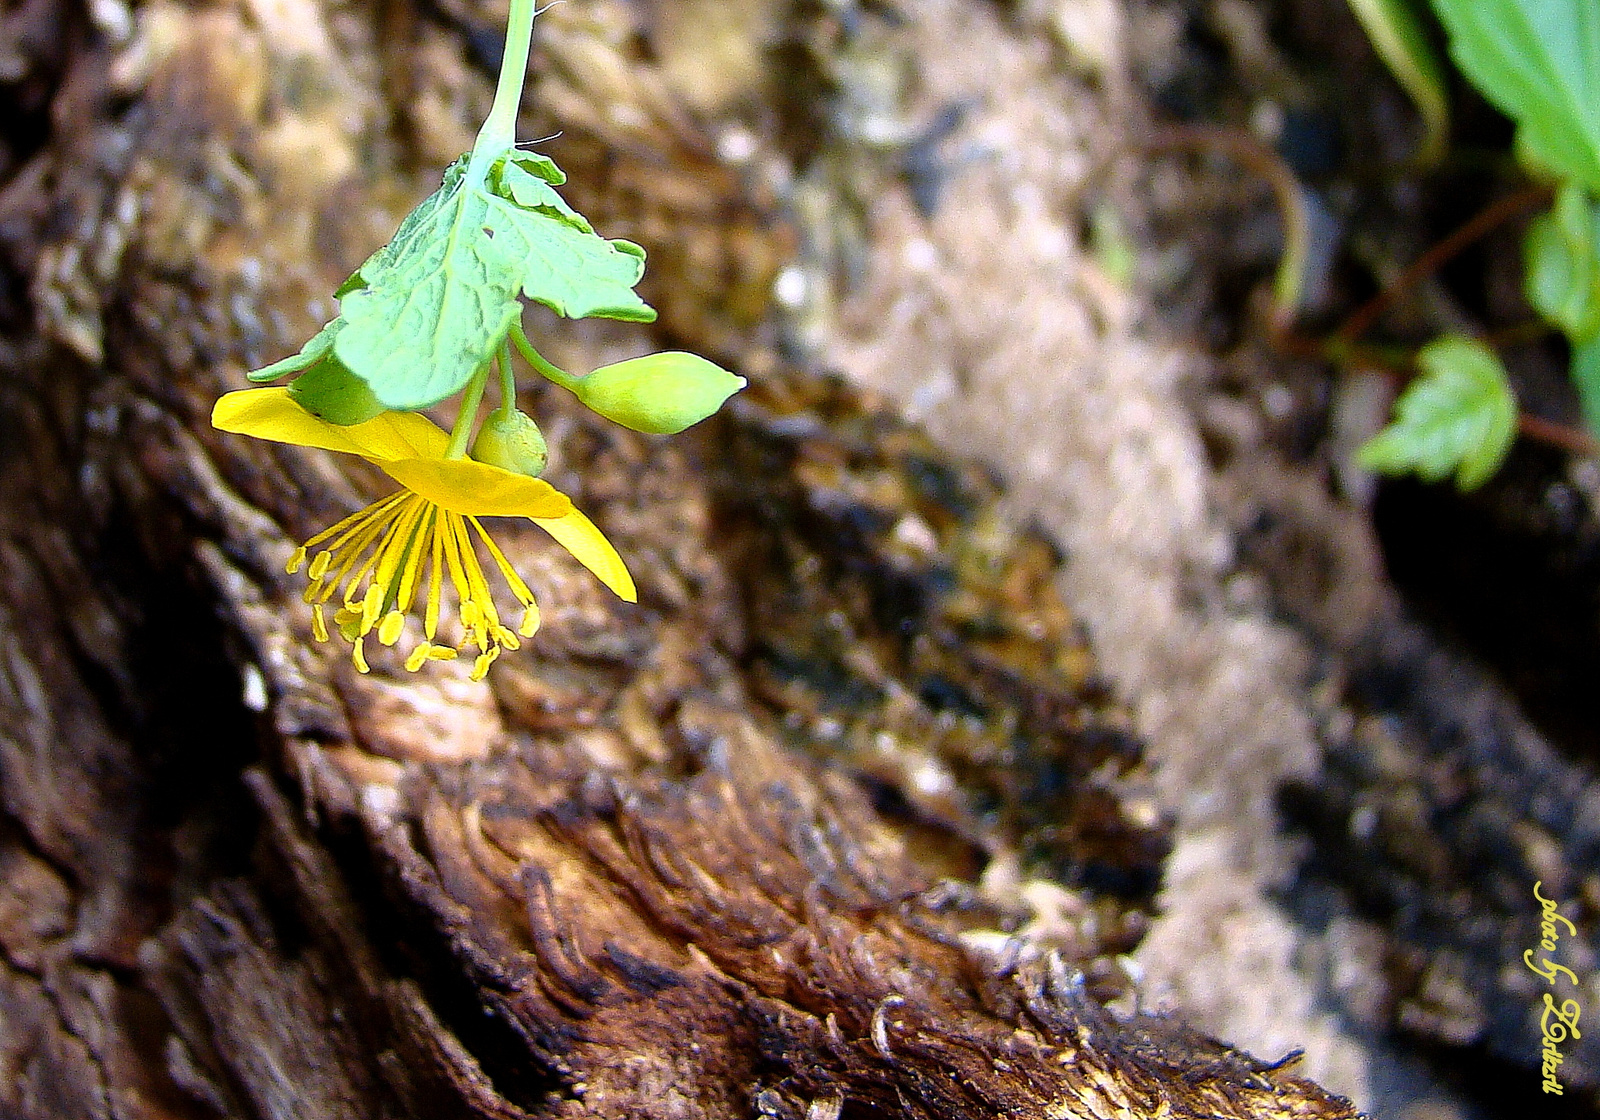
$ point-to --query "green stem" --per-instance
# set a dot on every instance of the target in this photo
(537, 360)
(508, 381)
(461, 434)
(499, 131)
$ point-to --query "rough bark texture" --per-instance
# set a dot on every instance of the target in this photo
(239, 879)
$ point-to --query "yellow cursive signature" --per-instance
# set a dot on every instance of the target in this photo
(1558, 1023)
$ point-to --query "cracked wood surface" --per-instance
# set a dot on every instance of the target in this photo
(239, 879)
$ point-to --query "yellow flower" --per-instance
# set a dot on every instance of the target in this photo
(382, 556)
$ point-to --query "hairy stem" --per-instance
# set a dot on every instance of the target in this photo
(1427, 264)
(537, 360)
(508, 380)
(499, 131)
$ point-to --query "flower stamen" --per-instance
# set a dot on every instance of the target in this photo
(378, 560)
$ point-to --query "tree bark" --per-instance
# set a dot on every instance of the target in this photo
(238, 878)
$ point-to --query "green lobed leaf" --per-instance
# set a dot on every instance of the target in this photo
(539, 164)
(1561, 258)
(565, 265)
(1539, 62)
(535, 190)
(1458, 416)
(1396, 33)
(427, 310)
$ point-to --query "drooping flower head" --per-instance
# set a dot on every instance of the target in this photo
(380, 559)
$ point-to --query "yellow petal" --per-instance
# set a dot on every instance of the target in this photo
(272, 414)
(578, 535)
(477, 489)
(399, 435)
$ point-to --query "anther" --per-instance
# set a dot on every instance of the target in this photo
(319, 624)
(359, 656)
(485, 659)
(296, 560)
(319, 566)
(389, 631)
(371, 604)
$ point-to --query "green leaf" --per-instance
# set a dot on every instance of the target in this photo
(1457, 416)
(566, 267)
(539, 164)
(311, 353)
(1397, 34)
(1585, 371)
(1561, 257)
(535, 190)
(426, 311)
(1539, 62)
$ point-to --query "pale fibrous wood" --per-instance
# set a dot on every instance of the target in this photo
(239, 879)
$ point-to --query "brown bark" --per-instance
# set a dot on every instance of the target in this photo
(237, 878)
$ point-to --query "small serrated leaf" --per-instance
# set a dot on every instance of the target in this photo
(1458, 416)
(537, 163)
(1561, 256)
(573, 273)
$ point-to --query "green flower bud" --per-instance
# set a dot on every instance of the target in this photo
(329, 391)
(658, 393)
(512, 441)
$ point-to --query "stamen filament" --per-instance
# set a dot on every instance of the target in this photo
(518, 588)
(436, 583)
(356, 540)
(377, 560)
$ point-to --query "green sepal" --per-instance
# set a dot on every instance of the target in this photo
(311, 353)
(511, 440)
(1561, 255)
(659, 393)
(331, 392)
(1458, 416)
